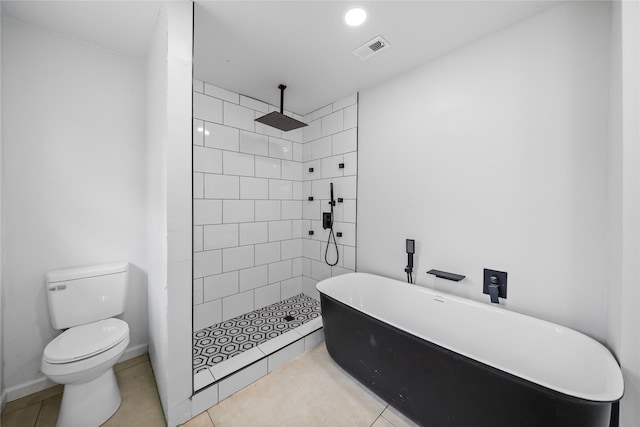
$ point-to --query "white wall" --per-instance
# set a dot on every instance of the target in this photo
(157, 203)
(624, 203)
(169, 77)
(2, 393)
(614, 171)
(179, 210)
(74, 180)
(495, 156)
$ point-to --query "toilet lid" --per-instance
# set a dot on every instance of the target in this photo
(85, 341)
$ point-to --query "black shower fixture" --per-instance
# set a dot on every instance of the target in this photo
(327, 222)
(279, 120)
(411, 249)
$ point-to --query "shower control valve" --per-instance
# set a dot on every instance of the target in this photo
(495, 284)
(327, 220)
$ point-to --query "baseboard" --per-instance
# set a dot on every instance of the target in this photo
(39, 384)
(3, 400)
(27, 388)
(134, 351)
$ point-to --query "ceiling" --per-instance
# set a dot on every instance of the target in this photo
(121, 26)
(250, 47)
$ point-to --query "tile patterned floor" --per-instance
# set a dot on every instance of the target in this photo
(140, 402)
(309, 391)
(225, 340)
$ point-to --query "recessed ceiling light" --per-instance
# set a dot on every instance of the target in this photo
(355, 16)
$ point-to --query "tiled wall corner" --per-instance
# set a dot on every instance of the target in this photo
(329, 155)
(252, 216)
(247, 186)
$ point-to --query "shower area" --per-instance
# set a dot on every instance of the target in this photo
(259, 245)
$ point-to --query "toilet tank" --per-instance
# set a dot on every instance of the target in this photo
(86, 294)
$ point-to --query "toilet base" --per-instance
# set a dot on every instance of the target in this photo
(89, 404)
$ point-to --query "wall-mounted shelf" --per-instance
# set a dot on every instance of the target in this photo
(446, 275)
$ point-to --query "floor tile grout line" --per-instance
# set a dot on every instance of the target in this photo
(9, 405)
(132, 366)
(380, 415)
(41, 401)
(210, 419)
(39, 412)
(54, 401)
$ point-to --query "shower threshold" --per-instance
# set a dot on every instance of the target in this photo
(222, 349)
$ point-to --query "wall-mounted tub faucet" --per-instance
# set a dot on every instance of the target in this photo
(494, 289)
(495, 284)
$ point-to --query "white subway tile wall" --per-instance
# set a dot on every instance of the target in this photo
(267, 167)
(198, 185)
(221, 186)
(220, 285)
(267, 295)
(238, 117)
(198, 291)
(296, 191)
(252, 214)
(220, 93)
(220, 236)
(254, 232)
(267, 253)
(255, 277)
(254, 143)
(198, 238)
(254, 188)
(207, 108)
(220, 136)
(207, 160)
(291, 287)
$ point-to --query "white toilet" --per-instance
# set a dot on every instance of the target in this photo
(84, 300)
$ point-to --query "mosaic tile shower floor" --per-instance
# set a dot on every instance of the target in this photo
(224, 340)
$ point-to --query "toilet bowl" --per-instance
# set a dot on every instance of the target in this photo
(83, 302)
(82, 359)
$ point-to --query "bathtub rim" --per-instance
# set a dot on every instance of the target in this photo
(610, 360)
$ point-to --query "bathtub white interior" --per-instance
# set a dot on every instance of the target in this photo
(541, 352)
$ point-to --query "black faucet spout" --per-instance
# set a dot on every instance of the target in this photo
(494, 290)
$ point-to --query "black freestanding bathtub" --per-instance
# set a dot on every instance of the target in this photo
(446, 361)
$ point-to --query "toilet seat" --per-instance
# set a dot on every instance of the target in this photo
(85, 341)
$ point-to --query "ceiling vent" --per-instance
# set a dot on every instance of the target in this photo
(370, 48)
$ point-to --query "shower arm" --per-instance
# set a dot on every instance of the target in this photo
(282, 88)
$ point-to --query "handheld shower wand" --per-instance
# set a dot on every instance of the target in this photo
(411, 249)
(328, 223)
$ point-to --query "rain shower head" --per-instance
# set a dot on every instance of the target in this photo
(279, 120)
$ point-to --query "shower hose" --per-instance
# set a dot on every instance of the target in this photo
(331, 236)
